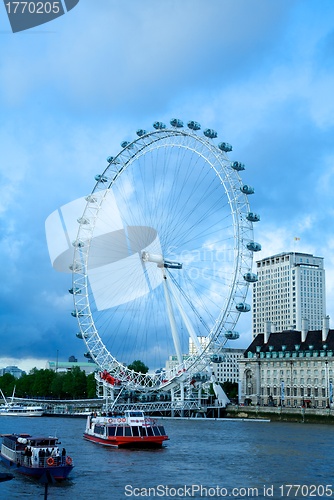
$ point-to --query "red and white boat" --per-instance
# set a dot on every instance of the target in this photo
(132, 429)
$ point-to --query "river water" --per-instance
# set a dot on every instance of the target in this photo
(204, 458)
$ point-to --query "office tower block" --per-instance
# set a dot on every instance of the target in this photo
(290, 288)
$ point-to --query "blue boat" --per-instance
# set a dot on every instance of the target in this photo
(35, 456)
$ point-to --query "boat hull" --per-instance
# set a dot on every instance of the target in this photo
(22, 413)
(127, 442)
(57, 472)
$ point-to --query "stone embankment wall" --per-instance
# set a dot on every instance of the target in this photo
(308, 415)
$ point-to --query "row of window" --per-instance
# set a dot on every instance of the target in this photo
(130, 431)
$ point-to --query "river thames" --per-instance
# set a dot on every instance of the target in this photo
(203, 459)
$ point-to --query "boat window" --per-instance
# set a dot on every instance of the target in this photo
(135, 430)
(162, 430)
(142, 431)
(149, 431)
(127, 431)
(111, 430)
(99, 429)
(156, 431)
(136, 414)
(119, 431)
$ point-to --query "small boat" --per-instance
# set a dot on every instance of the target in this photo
(11, 409)
(35, 456)
(132, 429)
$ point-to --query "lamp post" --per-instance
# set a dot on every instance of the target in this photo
(291, 384)
(327, 385)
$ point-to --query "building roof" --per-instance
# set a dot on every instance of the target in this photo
(290, 339)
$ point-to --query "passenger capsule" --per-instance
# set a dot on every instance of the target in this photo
(110, 159)
(91, 199)
(126, 144)
(217, 358)
(225, 146)
(209, 132)
(175, 122)
(243, 307)
(79, 335)
(83, 220)
(75, 268)
(75, 291)
(231, 335)
(194, 125)
(247, 189)
(251, 277)
(101, 178)
(253, 246)
(236, 165)
(77, 314)
(141, 132)
(252, 217)
(159, 125)
(88, 355)
(78, 243)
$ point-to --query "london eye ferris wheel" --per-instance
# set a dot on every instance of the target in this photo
(162, 257)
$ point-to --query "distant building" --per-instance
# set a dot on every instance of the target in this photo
(13, 370)
(290, 287)
(65, 366)
(172, 361)
(228, 370)
(290, 368)
(203, 342)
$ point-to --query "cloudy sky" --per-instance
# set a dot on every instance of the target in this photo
(259, 72)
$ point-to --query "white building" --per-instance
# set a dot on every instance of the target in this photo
(228, 370)
(65, 366)
(13, 370)
(203, 342)
(289, 368)
(290, 287)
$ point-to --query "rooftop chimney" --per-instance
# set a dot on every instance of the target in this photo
(304, 329)
(325, 328)
(267, 331)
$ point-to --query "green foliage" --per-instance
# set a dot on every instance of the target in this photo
(138, 366)
(7, 384)
(230, 389)
(74, 384)
(91, 386)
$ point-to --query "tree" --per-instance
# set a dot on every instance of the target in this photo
(42, 380)
(74, 384)
(7, 384)
(230, 389)
(138, 366)
(91, 386)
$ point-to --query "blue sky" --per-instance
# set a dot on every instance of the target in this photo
(259, 72)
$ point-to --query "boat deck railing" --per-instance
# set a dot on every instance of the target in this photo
(47, 461)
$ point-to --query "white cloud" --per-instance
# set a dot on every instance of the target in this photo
(25, 364)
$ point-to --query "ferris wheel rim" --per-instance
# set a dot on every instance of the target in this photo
(114, 169)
